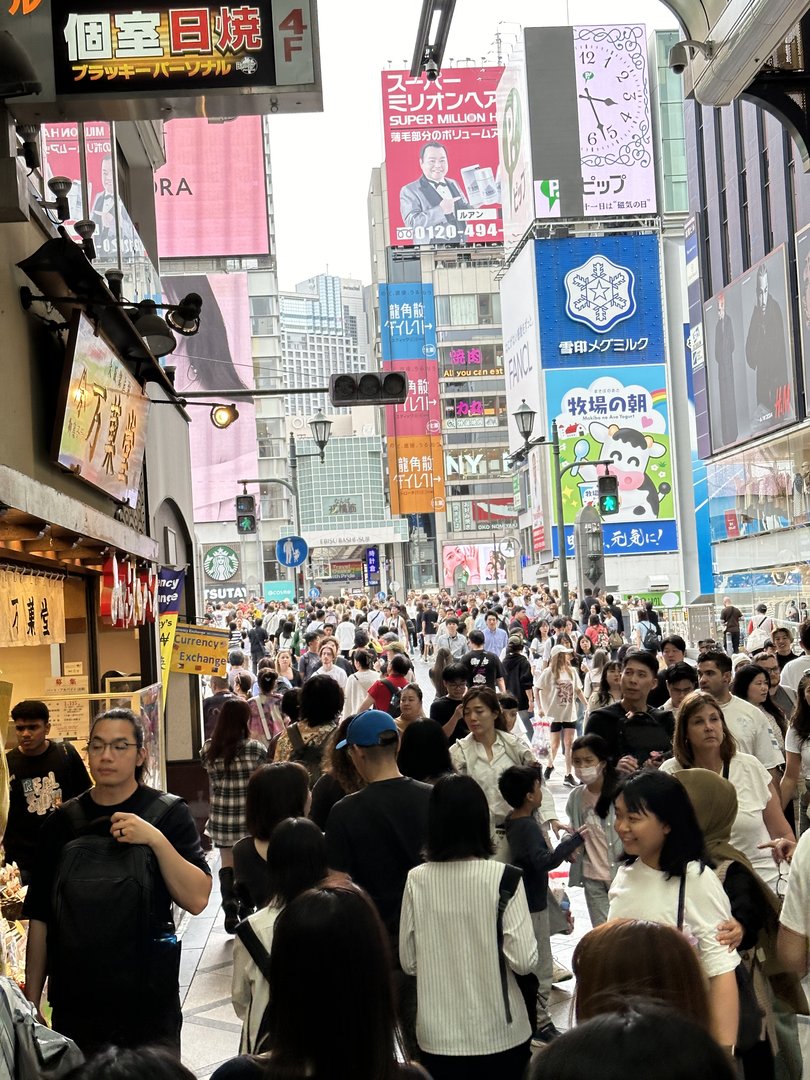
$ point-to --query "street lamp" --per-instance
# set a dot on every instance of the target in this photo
(321, 428)
(524, 421)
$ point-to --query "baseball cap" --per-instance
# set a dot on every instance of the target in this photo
(559, 649)
(367, 728)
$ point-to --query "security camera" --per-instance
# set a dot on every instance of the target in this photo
(678, 58)
(432, 71)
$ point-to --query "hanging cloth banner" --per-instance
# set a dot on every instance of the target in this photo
(32, 609)
(170, 591)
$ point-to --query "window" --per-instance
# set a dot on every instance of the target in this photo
(443, 310)
(463, 310)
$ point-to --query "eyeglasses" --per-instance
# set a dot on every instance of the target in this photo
(118, 746)
(781, 883)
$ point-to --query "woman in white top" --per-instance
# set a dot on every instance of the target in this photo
(664, 879)
(559, 692)
(344, 634)
(594, 673)
(357, 685)
(296, 861)
(797, 750)
(702, 741)
(448, 939)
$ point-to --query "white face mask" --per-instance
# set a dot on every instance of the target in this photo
(590, 774)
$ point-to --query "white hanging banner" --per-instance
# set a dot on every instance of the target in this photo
(32, 609)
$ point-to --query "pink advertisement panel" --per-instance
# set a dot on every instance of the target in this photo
(420, 413)
(472, 564)
(441, 157)
(217, 358)
(60, 143)
(210, 196)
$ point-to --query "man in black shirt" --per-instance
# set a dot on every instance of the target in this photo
(430, 618)
(220, 693)
(482, 668)
(615, 611)
(444, 709)
(42, 775)
(635, 734)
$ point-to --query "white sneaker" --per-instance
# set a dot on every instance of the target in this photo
(561, 973)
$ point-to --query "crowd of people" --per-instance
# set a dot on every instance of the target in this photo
(384, 867)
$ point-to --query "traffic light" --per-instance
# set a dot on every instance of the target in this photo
(245, 514)
(368, 388)
(608, 495)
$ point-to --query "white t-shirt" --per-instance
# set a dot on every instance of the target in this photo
(344, 632)
(793, 671)
(794, 745)
(335, 673)
(796, 907)
(751, 781)
(639, 892)
(750, 729)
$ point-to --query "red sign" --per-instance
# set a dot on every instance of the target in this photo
(210, 196)
(420, 413)
(441, 157)
(732, 525)
(129, 597)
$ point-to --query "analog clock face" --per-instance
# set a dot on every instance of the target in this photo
(612, 95)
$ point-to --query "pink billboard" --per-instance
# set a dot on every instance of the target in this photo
(210, 196)
(441, 157)
(420, 412)
(217, 358)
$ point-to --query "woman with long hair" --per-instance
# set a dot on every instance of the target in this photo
(590, 804)
(338, 778)
(702, 741)
(560, 690)
(442, 658)
(593, 676)
(358, 683)
(753, 684)
(797, 751)
(424, 752)
(471, 1021)
(320, 704)
(288, 677)
(229, 757)
(639, 958)
(274, 792)
(296, 861)
(330, 966)
(664, 878)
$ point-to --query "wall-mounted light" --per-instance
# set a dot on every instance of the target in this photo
(60, 186)
(18, 76)
(222, 415)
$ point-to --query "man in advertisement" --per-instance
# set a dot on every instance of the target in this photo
(724, 358)
(765, 354)
(431, 202)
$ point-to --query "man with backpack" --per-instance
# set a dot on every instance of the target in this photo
(384, 693)
(111, 862)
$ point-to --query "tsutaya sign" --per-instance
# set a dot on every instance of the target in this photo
(114, 60)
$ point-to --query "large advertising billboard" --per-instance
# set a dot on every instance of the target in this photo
(749, 354)
(619, 414)
(589, 102)
(441, 157)
(601, 301)
(218, 357)
(473, 564)
(514, 145)
(210, 196)
(520, 317)
(803, 270)
(407, 321)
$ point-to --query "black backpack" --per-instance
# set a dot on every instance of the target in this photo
(652, 639)
(393, 705)
(105, 929)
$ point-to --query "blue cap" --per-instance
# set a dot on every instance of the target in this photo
(367, 727)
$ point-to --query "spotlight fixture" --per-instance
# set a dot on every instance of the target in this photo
(154, 330)
(85, 229)
(60, 186)
(184, 318)
(115, 281)
(222, 416)
(18, 76)
(29, 151)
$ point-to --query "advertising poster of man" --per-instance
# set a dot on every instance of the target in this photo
(621, 415)
(749, 355)
(441, 157)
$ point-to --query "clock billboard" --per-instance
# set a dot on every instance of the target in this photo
(586, 105)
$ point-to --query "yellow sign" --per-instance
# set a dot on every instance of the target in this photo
(168, 625)
(199, 650)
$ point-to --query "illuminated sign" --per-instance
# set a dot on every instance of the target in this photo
(460, 362)
(103, 429)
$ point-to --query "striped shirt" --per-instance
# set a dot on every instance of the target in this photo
(448, 940)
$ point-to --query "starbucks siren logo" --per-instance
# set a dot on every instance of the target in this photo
(221, 563)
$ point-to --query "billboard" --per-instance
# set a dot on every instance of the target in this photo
(514, 146)
(520, 317)
(749, 354)
(601, 301)
(589, 103)
(417, 473)
(482, 515)
(803, 272)
(467, 361)
(621, 414)
(210, 196)
(407, 321)
(218, 357)
(441, 157)
(472, 564)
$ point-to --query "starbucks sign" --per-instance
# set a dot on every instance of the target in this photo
(220, 563)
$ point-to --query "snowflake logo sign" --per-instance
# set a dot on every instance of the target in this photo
(600, 294)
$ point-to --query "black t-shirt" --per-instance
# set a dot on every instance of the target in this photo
(258, 638)
(37, 786)
(429, 620)
(482, 668)
(376, 835)
(441, 709)
(250, 874)
(659, 693)
(177, 826)
(782, 660)
(616, 612)
(212, 707)
(637, 734)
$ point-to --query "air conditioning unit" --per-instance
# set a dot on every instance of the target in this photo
(657, 583)
(742, 39)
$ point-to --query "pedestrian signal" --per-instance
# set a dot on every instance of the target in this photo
(245, 514)
(608, 495)
(369, 388)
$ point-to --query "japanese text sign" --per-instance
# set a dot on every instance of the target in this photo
(32, 610)
(407, 321)
(601, 301)
(102, 433)
(441, 157)
(420, 412)
(621, 415)
(417, 474)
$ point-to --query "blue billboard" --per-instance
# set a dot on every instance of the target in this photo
(600, 301)
(616, 414)
(407, 321)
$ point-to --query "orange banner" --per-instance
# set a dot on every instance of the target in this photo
(416, 467)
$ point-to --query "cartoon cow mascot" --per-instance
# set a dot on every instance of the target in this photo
(630, 450)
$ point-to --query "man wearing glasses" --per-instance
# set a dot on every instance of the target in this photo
(447, 710)
(100, 900)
